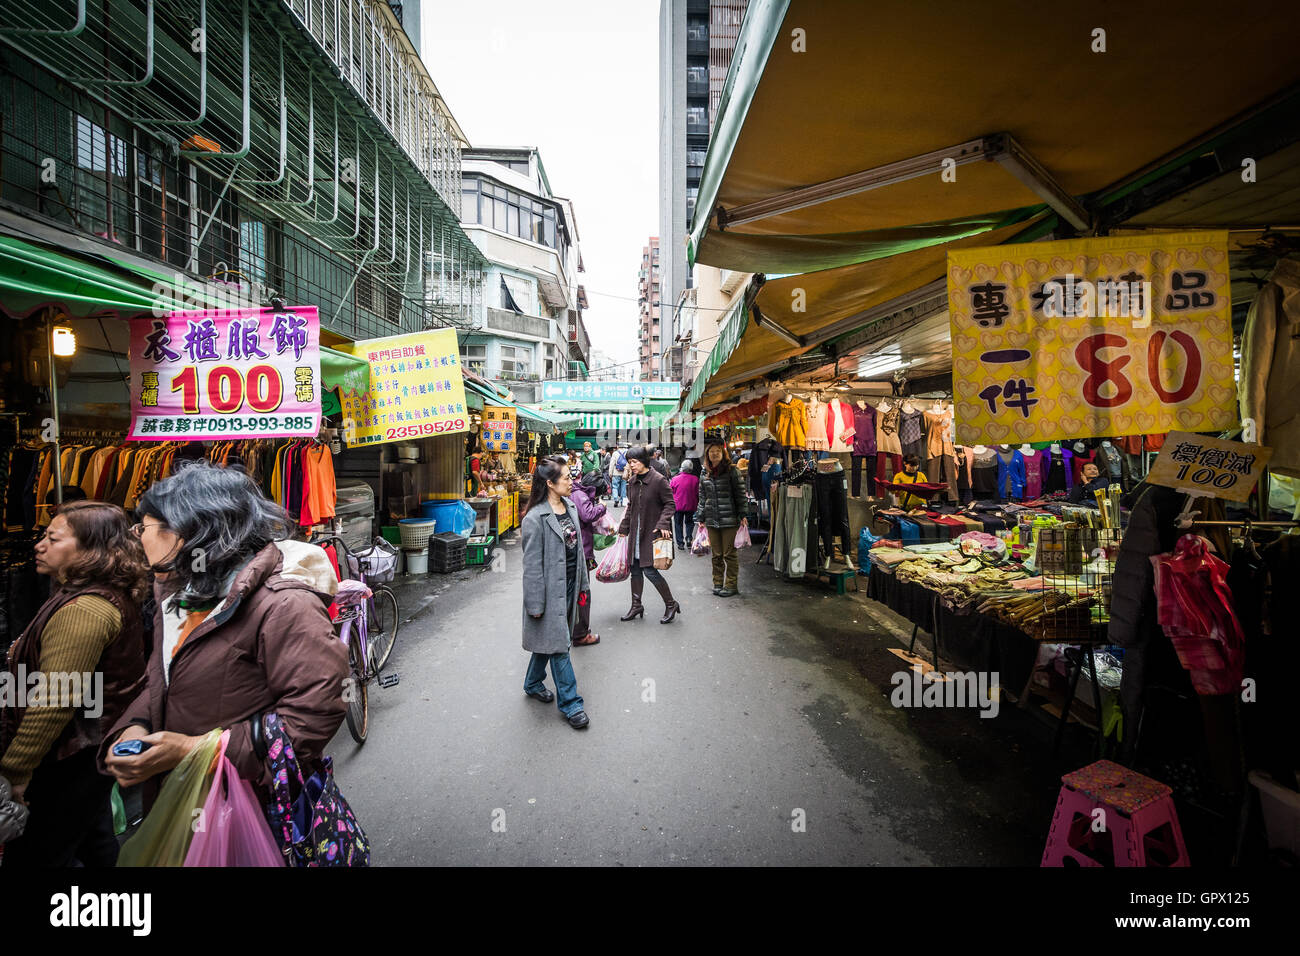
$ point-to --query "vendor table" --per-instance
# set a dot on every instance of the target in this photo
(982, 642)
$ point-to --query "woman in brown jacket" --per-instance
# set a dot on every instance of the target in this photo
(241, 629)
(88, 631)
(649, 515)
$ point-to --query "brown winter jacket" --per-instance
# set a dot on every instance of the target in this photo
(649, 497)
(269, 646)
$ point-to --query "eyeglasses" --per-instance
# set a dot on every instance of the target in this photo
(140, 528)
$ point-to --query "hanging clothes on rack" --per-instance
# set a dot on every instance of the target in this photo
(864, 443)
(817, 438)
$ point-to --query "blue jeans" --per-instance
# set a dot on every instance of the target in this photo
(566, 682)
(620, 490)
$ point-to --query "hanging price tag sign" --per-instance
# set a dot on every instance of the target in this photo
(226, 373)
(1081, 338)
(1209, 467)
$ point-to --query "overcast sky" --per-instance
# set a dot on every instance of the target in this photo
(578, 79)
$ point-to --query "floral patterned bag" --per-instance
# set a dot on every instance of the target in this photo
(319, 828)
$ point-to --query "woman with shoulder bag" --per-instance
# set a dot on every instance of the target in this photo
(722, 511)
(90, 625)
(555, 585)
(648, 518)
(586, 497)
(241, 631)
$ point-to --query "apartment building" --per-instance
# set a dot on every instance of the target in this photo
(696, 41)
(299, 152)
(529, 326)
(649, 334)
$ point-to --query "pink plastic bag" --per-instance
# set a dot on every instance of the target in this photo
(700, 544)
(613, 566)
(234, 831)
(1194, 606)
(742, 536)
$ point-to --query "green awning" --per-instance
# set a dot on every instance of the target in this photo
(526, 414)
(733, 328)
(349, 374)
(34, 276)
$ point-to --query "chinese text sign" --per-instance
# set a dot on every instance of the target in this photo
(416, 389)
(1091, 338)
(1209, 467)
(230, 373)
(498, 428)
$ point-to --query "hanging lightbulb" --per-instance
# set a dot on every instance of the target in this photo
(65, 342)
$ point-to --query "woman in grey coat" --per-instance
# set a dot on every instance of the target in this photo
(555, 587)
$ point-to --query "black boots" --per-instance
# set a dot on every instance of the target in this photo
(638, 583)
(671, 607)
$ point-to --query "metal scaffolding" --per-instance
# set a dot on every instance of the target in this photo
(302, 132)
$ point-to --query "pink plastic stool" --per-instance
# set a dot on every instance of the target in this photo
(1141, 824)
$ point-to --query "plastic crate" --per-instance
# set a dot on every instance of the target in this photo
(477, 552)
(454, 562)
(446, 552)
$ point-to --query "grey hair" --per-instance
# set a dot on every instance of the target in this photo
(219, 513)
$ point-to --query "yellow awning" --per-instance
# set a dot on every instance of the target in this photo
(821, 90)
(830, 298)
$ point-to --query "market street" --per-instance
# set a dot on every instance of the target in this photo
(759, 708)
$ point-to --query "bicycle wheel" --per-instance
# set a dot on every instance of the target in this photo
(357, 691)
(382, 626)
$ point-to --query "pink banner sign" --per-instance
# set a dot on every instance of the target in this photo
(230, 373)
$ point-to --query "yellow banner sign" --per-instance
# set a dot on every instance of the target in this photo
(498, 428)
(416, 389)
(1090, 338)
(1209, 467)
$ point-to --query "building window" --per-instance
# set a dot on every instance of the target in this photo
(516, 360)
(517, 214)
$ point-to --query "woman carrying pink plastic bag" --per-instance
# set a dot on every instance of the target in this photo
(232, 830)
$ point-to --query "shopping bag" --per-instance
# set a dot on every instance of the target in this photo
(700, 543)
(600, 542)
(232, 831)
(742, 537)
(613, 566)
(605, 525)
(663, 554)
(164, 837)
(318, 828)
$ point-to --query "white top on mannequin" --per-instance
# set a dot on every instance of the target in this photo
(1056, 448)
(980, 449)
(1105, 443)
(1026, 449)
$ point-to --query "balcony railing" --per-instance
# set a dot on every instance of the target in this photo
(369, 55)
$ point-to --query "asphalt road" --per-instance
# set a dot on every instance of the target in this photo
(765, 736)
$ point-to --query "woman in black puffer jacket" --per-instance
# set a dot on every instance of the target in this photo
(723, 508)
